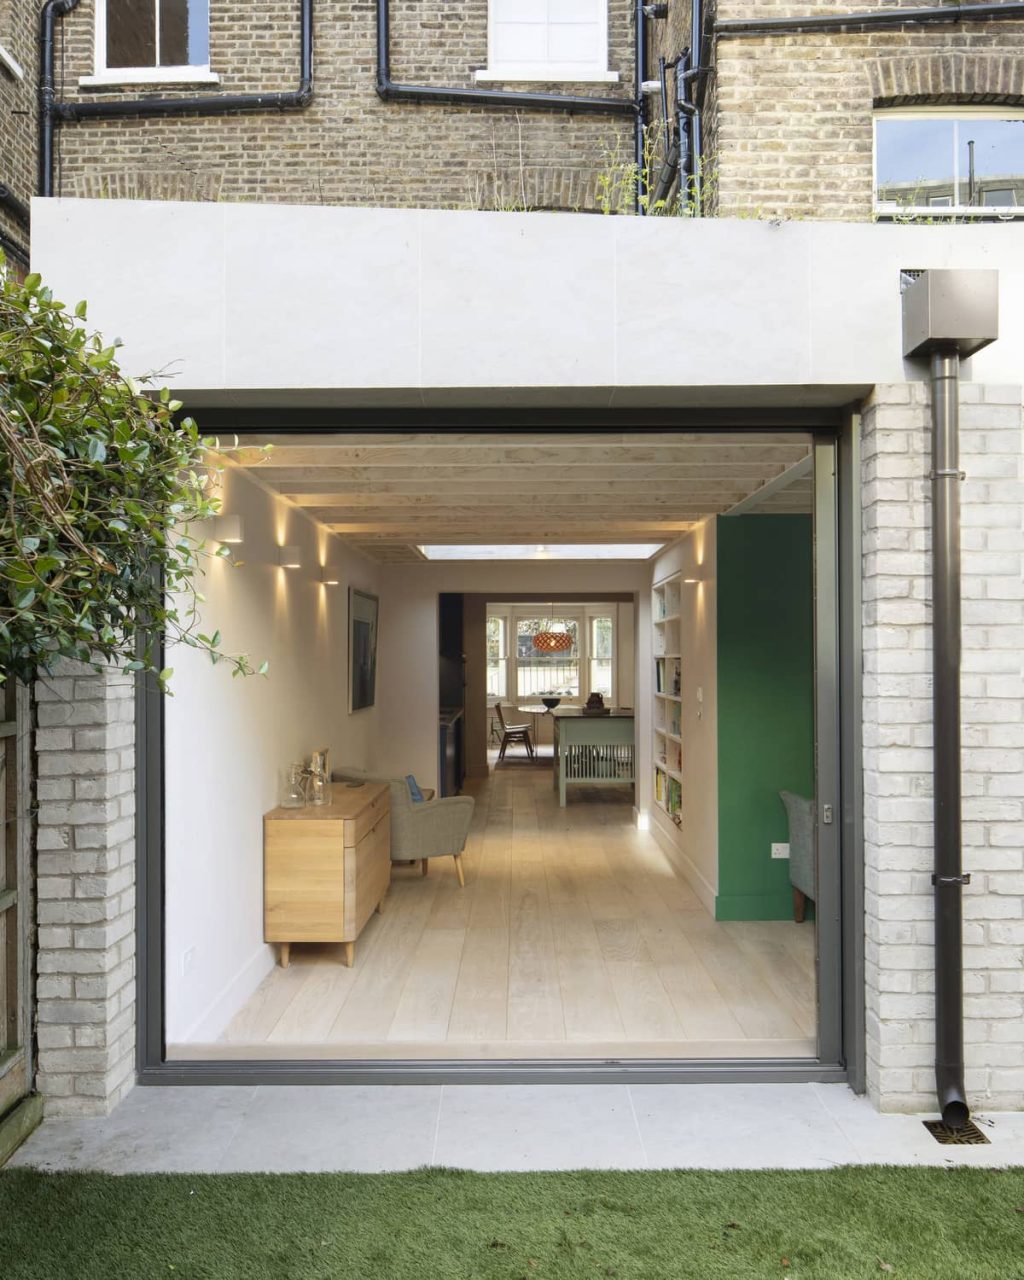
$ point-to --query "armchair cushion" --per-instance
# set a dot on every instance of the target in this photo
(800, 812)
(424, 829)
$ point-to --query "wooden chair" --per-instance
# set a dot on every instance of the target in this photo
(512, 733)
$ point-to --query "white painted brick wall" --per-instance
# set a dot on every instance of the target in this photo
(898, 738)
(85, 990)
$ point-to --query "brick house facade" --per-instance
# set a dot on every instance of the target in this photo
(788, 133)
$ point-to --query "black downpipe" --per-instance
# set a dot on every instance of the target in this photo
(639, 76)
(866, 21)
(51, 11)
(451, 96)
(948, 878)
(696, 137)
(213, 104)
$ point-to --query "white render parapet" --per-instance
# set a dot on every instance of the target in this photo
(315, 305)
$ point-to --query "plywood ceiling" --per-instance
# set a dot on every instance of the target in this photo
(386, 493)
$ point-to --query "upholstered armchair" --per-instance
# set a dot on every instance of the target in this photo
(800, 812)
(424, 829)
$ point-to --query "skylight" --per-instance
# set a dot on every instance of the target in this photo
(532, 551)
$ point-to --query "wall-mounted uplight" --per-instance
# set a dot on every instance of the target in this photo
(227, 529)
(330, 575)
(691, 581)
(289, 557)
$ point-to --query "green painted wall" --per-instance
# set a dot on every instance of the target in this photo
(765, 705)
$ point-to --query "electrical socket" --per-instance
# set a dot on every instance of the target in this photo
(188, 960)
(780, 850)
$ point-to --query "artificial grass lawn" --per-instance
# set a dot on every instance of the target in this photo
(912, 1224)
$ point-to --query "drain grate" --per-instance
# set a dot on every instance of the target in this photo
(969, 1136)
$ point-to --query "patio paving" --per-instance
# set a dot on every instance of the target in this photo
(494, 1128)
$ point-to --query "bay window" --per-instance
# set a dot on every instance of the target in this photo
(534, 651)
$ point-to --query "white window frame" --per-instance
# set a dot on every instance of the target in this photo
(582, 615)
(105, 76)
(550, 72)
(886, 209)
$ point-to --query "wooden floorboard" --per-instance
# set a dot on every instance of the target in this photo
(574, 937)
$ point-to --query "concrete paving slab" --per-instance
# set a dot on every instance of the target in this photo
(371, 1129)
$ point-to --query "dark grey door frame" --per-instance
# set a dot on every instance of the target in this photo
(837, 705)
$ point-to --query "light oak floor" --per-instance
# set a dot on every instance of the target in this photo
(574, 938)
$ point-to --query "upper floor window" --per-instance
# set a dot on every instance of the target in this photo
(544, 40)
(947, 161)
(152, 40)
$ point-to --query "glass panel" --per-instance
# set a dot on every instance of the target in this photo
(601, 677)
(914, 160)
(999, 197)
(542, 670)
(495, 638)
(497, 678)
(131, 33)
(520, 42)
(996, 148)
(601, 638)
(573, 42)
(174, 33)
(199, 33)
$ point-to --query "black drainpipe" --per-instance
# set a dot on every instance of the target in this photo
(212, 104)
(639, 76)
(948, 878)
(865, 21)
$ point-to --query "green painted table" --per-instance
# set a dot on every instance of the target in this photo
(593, 751)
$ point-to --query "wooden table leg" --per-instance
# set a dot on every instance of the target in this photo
(380, 907)
(284, 953)
(350, 954)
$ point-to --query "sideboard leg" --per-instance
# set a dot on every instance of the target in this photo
(380, 907)
(350, 954)
(285, 954)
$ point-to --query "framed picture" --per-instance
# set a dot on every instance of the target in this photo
(362, 649)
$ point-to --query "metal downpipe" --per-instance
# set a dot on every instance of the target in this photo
(948, 878)
(50, 12)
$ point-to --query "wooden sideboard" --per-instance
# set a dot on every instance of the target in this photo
(326, 868)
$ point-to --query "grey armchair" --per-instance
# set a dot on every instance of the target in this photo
(800, 812)
(423, 830)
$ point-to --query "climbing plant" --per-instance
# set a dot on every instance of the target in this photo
(99, 483)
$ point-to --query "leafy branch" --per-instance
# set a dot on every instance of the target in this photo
(99, 485)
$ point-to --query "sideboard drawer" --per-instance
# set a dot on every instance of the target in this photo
(357, 828)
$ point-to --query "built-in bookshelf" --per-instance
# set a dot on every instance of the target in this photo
(668, 679)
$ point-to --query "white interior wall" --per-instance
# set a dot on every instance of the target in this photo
(407, 674)
(228, 741)
(694, 845)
